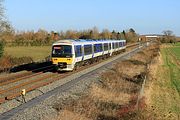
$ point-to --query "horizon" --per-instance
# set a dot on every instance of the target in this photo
(145, 17)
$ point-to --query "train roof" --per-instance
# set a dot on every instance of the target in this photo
(84, 41)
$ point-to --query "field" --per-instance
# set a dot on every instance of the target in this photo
(172, 61)
(165, 87)
(176, 50)
(36, 52)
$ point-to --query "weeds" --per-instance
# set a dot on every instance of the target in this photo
(115, 96)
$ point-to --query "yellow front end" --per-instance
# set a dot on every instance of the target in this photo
(66, 60)
(63, 64)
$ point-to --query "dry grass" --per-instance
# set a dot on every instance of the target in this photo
(141, 56)
(116, 92)
(152, 76)
(105, 99)
(114, 82)
(129, 69)
(109, 96)
(85, 107)
(69, 115)
(146, 55)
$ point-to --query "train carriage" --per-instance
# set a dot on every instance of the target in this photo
(68, 54)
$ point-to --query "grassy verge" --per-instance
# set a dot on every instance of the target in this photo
(165, 88)
(35, 52)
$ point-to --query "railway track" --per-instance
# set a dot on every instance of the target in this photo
(51, 77)
(23, 74)
(11, 86)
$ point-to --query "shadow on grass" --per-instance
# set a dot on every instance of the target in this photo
(34, 67)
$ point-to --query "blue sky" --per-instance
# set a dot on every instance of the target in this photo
(144, 16)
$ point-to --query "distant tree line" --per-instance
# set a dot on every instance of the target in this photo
(43, 37)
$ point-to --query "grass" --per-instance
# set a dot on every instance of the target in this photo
(35, 52)
(177, 44)
(174, 71)
(176, 50)
(166, 87)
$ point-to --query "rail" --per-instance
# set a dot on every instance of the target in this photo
(15, 90)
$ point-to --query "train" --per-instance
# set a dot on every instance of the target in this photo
(68, 55)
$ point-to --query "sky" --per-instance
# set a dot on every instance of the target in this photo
(144, 16)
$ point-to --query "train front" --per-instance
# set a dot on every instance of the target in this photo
(62, 56)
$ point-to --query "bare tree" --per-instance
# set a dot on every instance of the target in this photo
(95, 33)
(1, 23)
(106, 34)
(168, 32)
(168, 36)
(4, 24)
(1, 15)
(1, 9)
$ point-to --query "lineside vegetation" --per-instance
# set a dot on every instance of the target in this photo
(115, 96)
(163, 87)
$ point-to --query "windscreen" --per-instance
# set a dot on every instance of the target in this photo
(62, 51)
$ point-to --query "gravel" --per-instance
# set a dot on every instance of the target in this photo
(42, 107)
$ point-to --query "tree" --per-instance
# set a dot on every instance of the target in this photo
(168, 37)
(106, 34)
(70, 34)
(95, 33)
(168, 32)
(2, 25)
(132, 30)
(1, 15)
(114, 35)
(129, 35)
(118, 35)
(85, 34)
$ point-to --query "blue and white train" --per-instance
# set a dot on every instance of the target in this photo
(67, 55)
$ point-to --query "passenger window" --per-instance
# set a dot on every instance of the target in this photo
(105, 46)
(78, 51)
(113, 45)
(87, 49)
(97, 48)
